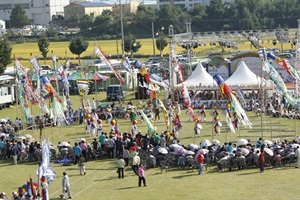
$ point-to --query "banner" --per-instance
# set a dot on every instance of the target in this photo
(102, 57)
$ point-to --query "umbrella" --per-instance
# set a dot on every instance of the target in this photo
(189, 153)
(245, 151)
(162, 150)
(215, 141)
(242, 142)
(174, 146)
(269, 151)
(179, 151)
(193, 146)
(205, 143)
(66, 144)
(293, 145)
(2, 135)
(3, 120)
(268, 142)
(202, 151)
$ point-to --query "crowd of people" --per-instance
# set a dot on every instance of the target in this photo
(149, 150)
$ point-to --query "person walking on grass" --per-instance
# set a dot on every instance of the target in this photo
(66, 185)
(81, 165)
(261, 160)
(297, 154)
(200, 161)
(120, 166)
(141, 175)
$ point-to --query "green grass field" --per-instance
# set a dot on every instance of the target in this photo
(61, 49)
(101, 181)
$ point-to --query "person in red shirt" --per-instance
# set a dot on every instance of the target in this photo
(261, 160)
(200, 161)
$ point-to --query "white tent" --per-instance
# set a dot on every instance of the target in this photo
(243, 77)
(199, 79)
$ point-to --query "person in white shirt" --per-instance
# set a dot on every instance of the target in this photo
(66, 185)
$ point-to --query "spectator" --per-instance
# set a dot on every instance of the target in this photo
(141, 175)
(77, 152)
(120, 166)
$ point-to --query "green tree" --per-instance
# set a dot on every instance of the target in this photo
(131, 45)
(18, 17)
(78, 45)
(43, 44)
(52, 32)
(5, 54)
(86, 23)
(161, 43)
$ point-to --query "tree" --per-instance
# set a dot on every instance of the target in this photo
(5, 54)
(86, 23)
(52, 32)
(43, 44)
(131, 45)
(78, 45)
(161, 43)
(18, 17)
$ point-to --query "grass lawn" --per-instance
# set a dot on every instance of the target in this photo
(61, 49)
(101, 181)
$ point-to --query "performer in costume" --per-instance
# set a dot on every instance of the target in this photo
(100, 128)
(109, 116)
(197, 127)
(227, 109)
(88, 123)
(236, 121)
(134, 129)
(92, 126)
(217, 126)
(44, 186)
(203, 112)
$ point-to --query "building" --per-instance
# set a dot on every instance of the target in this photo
(186, 4)
(79, 9)
(39, 12)
(2, 27)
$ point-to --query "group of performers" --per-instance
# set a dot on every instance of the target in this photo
(216, 119)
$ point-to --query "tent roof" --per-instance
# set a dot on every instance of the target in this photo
(200, 78)
(243, 77)
(94, 76)
(75, 76)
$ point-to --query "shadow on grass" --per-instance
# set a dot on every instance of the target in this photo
(126, 188)
(188, 174)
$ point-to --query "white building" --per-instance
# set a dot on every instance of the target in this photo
(2, 27)
(38, 11)
(186, 4)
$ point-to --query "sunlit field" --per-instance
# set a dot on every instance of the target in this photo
(101, 181)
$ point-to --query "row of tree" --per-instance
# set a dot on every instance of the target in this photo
(218, 16)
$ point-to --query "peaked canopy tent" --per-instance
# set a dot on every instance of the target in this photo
(243, 77)
(200, 79)
(96, 77)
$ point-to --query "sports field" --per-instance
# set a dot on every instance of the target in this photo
(101, 180)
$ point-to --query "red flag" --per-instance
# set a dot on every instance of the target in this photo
(284, 65)
(33, 189)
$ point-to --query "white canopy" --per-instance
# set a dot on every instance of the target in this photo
(243, 77)
(199, 79)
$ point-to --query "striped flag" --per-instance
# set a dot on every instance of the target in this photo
(126, 65)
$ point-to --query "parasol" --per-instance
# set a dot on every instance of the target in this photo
(162, 150)
(215, 141)
(269, 151)
(245, 152)
(64, 144)
(268, 142)
(205, 143)
(203, 151)
(242, 142)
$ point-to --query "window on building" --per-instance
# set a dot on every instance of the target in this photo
(5, 6)
(46, 5)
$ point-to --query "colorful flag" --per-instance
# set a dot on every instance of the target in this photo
(126, 65)
(103, 58)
